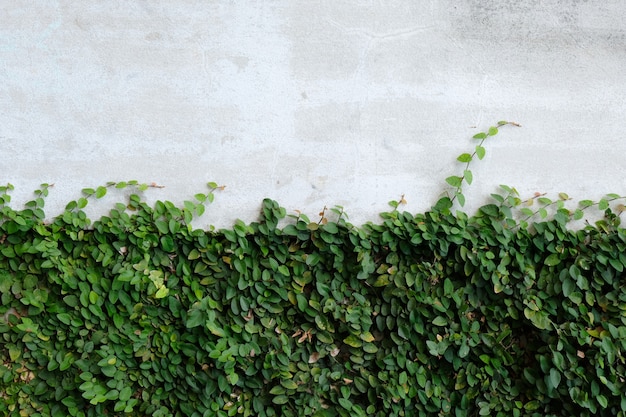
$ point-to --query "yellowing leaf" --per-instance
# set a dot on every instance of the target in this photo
(367, 337)
(162, 292)
(353, 341)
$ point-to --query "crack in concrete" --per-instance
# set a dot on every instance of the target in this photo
(397, 34)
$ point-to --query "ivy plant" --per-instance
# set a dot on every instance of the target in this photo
(509, 311)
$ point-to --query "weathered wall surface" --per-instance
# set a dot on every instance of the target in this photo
(312, 103)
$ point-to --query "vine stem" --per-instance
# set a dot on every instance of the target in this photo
(479, 151)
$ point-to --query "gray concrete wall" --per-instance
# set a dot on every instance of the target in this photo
(312, 103)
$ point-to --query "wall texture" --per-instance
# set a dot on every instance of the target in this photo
(312, 103)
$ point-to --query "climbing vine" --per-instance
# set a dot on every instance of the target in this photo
(507, 312)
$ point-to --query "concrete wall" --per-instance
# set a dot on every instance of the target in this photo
(312, 103)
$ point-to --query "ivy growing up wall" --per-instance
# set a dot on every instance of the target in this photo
(507, 312)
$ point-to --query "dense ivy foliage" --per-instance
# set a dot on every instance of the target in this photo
(438, 313)
(419, 315)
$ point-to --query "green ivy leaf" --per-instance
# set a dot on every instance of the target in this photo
(233, 378)
(345, 403)
(125, 394)
(460, 198)
(480, 152)
(555, 378)
(101, 192)
(468, 176)
(289, 384)
(454, 180)
(443, 205)
(195, 318)
(277, 390)
(576, 297)
(539, 318)
(552, 260)
(167, 243)
(280, 399)
(440, 321)
(464, 350)
(370, 348)
(93, 297)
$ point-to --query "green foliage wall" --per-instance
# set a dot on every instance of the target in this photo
(508, 312)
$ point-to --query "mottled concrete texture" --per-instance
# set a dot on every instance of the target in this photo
(312, 103)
